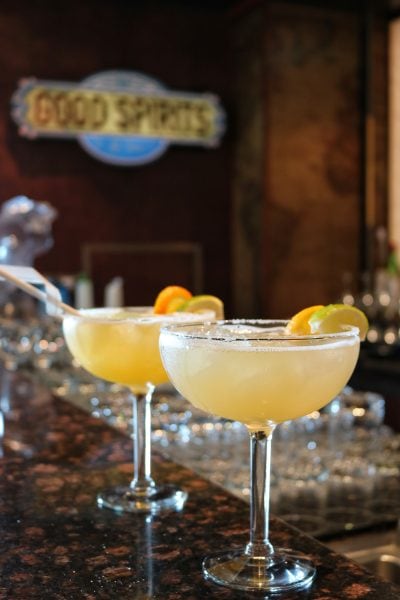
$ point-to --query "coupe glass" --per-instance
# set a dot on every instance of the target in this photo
(121, 345)
(253, 372)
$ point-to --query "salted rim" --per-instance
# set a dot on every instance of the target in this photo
(140, 314)
(182, 330)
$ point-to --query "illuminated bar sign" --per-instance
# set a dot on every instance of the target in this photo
(119, 117)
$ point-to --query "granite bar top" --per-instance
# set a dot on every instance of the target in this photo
(56, 544)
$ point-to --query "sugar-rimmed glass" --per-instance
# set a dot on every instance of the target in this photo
(252, 371)
(121, 345)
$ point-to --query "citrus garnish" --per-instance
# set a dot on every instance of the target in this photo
(299, 324)
(333, 317)
(205, 302)
(176, 304)
(167, 295)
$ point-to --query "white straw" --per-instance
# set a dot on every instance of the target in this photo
(5, 272)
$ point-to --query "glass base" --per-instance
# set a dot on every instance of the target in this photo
(279, 572)
(125, 499)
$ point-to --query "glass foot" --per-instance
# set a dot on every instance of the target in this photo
(125, 499)
(282, 571)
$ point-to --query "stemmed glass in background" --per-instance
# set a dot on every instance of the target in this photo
(121, 346)
(253, 372)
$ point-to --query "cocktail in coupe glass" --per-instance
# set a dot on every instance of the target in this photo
(254, 372)
(121, 345)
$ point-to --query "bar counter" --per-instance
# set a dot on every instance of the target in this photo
(56, 543)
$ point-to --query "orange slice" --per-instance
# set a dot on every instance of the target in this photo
(168, 294)
(299, 323)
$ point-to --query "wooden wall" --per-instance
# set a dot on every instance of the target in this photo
(181, 202)
(299, 198)
(312, 162)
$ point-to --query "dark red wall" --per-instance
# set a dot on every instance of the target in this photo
(183, 196)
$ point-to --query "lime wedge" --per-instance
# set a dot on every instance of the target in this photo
(205, 302)
(333, 317)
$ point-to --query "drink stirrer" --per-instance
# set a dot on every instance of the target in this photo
(23, 277)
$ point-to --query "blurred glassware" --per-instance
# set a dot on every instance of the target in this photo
(366, 409)
(352, 481)
(378, 295)
(25, 230)
(25, 233)
(49, 347)
(16, 342)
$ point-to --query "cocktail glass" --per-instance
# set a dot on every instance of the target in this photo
(121, 345)
(253, 372)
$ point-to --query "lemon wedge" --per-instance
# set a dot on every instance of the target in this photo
(205, 302)
(299, 324)
(333, 317)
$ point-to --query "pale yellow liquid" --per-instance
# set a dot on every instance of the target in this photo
(255, 382)
(121, 345)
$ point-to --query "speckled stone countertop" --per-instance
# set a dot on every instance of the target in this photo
(56, 543)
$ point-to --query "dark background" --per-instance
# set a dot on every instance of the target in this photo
(272, 218)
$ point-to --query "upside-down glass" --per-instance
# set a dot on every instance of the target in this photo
(253, 372)
(121, 345)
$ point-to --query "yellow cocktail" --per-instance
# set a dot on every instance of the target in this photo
(257, 373)
(122, 346)
(259, 382)
(119, 345)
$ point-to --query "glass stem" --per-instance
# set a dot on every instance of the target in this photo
(142, 482)
(260, 469)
